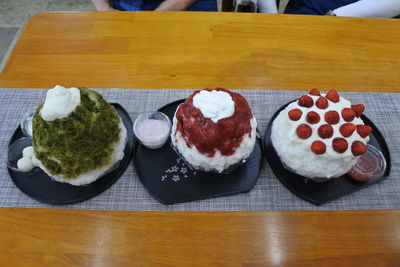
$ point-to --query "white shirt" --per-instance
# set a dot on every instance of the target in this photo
(361, 8)
(370, 8)
(267, 6)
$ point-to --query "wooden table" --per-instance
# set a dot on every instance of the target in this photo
(196, 50)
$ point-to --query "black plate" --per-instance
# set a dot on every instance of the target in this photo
(169, 180)
(39, 186)
(323, 192)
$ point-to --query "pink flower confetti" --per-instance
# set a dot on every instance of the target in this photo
(177, 172)
(174, 168)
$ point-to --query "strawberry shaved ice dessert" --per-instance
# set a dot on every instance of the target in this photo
(214, 130)
(320, 136)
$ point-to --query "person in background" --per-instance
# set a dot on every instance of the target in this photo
(156, 5)
(345, 8)
(267, 6)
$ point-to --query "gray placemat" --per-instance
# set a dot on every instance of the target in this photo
(268, 194)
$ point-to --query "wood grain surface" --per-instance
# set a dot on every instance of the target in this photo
(198, 50)
(99, 238)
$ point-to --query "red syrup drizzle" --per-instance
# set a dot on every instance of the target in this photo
(207, 136)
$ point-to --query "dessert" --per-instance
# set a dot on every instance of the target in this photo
(214, 130)
(77, 135)
(320, 135)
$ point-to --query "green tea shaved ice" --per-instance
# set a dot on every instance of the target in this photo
(82, 146)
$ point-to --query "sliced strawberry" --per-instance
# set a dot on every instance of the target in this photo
(358, 148)
(364, 130)
(318, 147)
(325, 131)
(340, 145)
(322, 103)
(332, 117)
(358, 109)
(313, 117)
(347, 129)
(306, 101)
(295, 114)
(348, 114)
(303, 131)
(314, 91)
(333, 96)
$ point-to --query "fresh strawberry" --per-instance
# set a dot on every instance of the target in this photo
(333, 96)
(364, 130)
(314, 91)
(318, 147)
(332, 117)
(303, 131)
(306, 101)
(340, 145)
(358, 148)
(322, 103)
(313, 117)
(325, 131)
(295, 114)
(358, 109)
(348, 114)
(347, 129)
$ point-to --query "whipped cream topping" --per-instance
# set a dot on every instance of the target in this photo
(60, 102)
(296, 153)
(215, 105)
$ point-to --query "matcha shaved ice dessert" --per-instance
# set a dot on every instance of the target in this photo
(77, 135)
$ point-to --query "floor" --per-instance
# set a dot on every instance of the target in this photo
(6, 37)
(14, 14)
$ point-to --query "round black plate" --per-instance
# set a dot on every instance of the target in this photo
(320, 193)
(169, 180)
(39, 186)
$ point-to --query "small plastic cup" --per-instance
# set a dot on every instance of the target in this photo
(26, 124)
(152, 129)
(371, 165)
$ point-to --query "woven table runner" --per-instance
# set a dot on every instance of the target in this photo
(268, 194)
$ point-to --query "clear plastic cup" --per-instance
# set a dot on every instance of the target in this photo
(152, 129)
(371, 165)
(26, 124)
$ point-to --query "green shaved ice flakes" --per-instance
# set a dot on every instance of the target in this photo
(82, 142)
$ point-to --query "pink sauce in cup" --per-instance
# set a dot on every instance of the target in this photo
(152, 129)
(370, 165)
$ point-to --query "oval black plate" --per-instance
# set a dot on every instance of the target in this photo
(320, 193)
(169, 180)
(39, 186)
